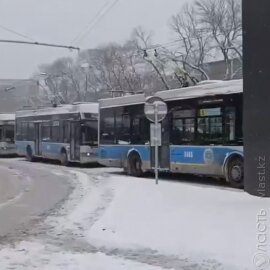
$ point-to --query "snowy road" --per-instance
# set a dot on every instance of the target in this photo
(97, 218)
(26, 194)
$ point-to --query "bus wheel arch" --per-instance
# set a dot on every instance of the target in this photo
(134, 164)
(63, 157)
(234, 170)
(29, 153)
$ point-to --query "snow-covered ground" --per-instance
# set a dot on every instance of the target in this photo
(206, 224)
(112, 221)
(36, 255)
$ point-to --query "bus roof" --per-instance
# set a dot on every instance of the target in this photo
(61, 109)
(206, 88)
(7, 117)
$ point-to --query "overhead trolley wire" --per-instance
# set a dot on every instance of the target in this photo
(16, 33)
(91, 22)
(97, 20)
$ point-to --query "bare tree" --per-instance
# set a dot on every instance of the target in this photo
(222, 19)
(142, 40)
(61, 81)
(115, 67)
(194, 43)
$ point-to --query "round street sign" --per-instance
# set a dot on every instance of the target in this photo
(155, 105)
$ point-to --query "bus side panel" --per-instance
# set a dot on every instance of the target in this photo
(52, 150)
(116, 155)
(22, 145)
(88, 154)
(205, 160)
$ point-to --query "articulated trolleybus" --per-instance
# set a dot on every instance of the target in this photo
(7, 127)
(67, 133)
(201, 134)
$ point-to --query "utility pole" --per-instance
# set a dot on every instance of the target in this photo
(256, 44)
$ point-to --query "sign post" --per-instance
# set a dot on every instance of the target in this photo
(155, 110)
(156, 142)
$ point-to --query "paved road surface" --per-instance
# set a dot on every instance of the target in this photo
(27, 193)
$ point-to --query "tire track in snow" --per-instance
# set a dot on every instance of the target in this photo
(74, 240)
(65, 234)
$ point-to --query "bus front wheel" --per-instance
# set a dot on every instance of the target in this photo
(235, 172)
(64, 158)
(134, 167)
(29, 154)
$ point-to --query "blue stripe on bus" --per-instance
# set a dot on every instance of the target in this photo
(52, 149)
(22, 145)
(178, 154)
(201, 154)
(120, 152)
(47, 148)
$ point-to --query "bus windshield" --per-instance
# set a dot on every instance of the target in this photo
(89, 132)
(7, 133)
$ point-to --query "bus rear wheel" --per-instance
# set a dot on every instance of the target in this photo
(64, 158)
(235, 172)
(134, 165)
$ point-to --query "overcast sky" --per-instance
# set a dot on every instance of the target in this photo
(60, 21)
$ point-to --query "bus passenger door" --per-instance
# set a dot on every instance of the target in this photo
(164, 149)
(37, 139)
(75, 131)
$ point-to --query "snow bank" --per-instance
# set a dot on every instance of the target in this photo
(83, 206)
(35, 255)
(184, 219)
(131, 223)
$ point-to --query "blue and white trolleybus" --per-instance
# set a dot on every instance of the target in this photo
(7, 127)
(201, 134)
(68, 133)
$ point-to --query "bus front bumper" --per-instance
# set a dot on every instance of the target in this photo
(88, 158)
(7, 151)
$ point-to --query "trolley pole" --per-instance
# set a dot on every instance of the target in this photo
(156, 143)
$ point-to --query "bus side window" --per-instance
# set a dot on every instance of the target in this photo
(107, 127)
(31, 131)
(122, 125)
(140, 130)
(210, 126)
(24, 130)
(46, 131)
(55, 131)
(66, 131)
(183, 126)
(230, 124)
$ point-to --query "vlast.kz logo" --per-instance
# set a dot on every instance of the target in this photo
(261, 261)
(208, 156)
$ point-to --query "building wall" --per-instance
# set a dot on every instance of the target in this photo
(15, 94)
(217, 70)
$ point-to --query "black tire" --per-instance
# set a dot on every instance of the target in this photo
(29, 154)
(134, 166)
(64, 158)
(235, 172)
